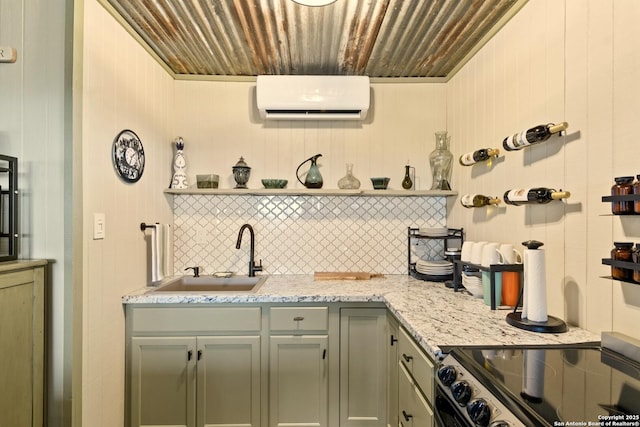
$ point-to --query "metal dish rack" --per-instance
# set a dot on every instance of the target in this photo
(413, 233)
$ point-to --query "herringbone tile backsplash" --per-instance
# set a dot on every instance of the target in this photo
(300, 234)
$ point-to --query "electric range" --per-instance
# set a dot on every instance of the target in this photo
(575, 385)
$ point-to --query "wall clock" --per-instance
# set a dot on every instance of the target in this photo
(128, 156)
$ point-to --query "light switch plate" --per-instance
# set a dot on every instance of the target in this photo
(98, 226)
(8, 54)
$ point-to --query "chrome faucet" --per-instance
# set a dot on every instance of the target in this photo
(252, 265)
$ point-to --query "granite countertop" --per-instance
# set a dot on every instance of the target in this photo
(435, 316)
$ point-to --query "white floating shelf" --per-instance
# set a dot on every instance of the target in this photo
(311, 192)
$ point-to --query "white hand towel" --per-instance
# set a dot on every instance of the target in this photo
(167, 248)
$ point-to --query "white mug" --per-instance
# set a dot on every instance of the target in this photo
(490, 254)
(465, 251)
(476, 252)
(509, 255)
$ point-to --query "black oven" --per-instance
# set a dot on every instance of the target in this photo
(445, 412)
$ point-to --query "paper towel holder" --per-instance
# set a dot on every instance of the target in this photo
(553, 325)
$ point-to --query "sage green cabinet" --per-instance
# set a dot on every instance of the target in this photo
(228, 381)
(392, 371)
(299, 366)
(416, 375)
(275, 365)
(193, 379)
(415, 410)
(202, 381)
(298, 381)
(163, 381)
(363, 367)
(22, 307)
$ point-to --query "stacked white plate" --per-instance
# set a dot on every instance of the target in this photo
(434, 268)
(433, 231)
(473, 284)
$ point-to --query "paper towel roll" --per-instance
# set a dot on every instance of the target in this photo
(533, 378)
(535, 286)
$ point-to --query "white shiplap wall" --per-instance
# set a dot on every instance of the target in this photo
(123, 88)
(218, 121)
(567, 60)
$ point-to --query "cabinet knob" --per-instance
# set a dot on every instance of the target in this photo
(189, 354)
(406, 416)
(298, 319)
(407, 358)
(393, 340)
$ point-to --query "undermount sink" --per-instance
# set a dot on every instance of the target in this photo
(213, 284)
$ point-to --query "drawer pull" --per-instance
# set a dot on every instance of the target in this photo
(298, 319)
(406, 416)
(407, 358)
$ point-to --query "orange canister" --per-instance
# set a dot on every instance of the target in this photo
(510, 288)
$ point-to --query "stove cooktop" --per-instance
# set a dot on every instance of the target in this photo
(561, 386)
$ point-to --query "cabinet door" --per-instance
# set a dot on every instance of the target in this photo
(392, 371)
(363, 367)
(228, 381)
(414, 411)
(298, 381)
(163, 381)
(17, 355)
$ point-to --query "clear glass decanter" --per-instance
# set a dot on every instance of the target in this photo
(349, 182)
(441, 161)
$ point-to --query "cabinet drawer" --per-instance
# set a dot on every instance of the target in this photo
(192, 320)
(299, 318)
(417, 364)
(414, 410)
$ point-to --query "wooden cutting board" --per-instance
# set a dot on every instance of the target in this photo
(347, 275)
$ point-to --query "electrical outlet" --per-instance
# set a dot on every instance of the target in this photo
(8, 54)
(98, 226)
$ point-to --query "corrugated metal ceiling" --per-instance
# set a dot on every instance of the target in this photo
(378, 38)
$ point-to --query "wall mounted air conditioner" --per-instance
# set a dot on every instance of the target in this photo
(312, 97)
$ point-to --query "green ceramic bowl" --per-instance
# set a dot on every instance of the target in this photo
(274, 183)
(380, 183)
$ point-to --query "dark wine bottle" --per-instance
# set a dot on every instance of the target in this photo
(531, 136)
(478, 156)
(540, 195)
(478, 200)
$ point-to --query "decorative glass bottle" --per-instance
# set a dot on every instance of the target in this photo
(407, 183)
(441, 161)
(179, 166)
(349, 182)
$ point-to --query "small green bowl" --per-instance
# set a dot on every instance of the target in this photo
(274, 183)
(380, 183)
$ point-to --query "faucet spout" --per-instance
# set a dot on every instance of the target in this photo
(252, 265)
